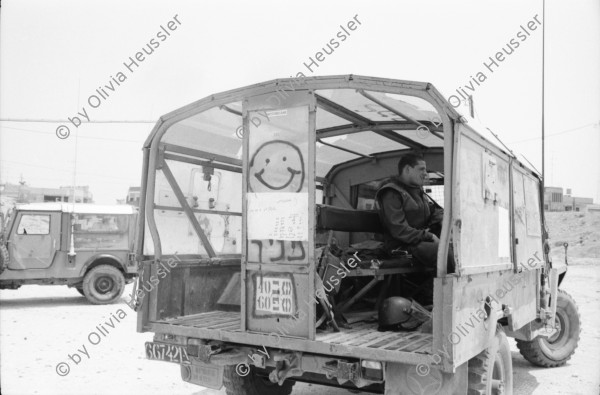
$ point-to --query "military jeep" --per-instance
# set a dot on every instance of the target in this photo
(84, 246)
(261, 191)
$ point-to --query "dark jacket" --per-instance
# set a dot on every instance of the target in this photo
(405, 213)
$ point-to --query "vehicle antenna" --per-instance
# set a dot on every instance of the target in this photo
(543, 95)
(71, 253)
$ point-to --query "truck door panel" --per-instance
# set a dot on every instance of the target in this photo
(527, 222)
(34, 240)
(279, 265)
(483, 206)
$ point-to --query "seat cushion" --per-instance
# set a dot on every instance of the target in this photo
(347, 220)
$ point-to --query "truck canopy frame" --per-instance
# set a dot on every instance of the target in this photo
(344, 122)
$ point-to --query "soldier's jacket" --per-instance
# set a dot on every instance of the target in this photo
(406, 213)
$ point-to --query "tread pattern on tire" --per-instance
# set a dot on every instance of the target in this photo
(251, 385)
(531, 351)
(4, 258)
(479, 365)
(87, 279)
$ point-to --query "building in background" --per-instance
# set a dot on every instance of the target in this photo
(555, 200)
(593, 208)
(23, 193)
(133, 196)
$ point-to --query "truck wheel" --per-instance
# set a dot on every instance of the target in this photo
(490, 372)
(4, 258)
(103, 284)
(252, 384)
(558, 348)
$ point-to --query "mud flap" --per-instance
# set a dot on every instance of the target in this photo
(415, 380)
(204, 374)
(553, 275)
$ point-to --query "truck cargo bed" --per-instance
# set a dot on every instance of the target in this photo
(362, 339)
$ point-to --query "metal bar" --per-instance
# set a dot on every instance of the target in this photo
(363, 339)
(200, 154)
(395, 343)
(389, 108)
(188, 211)
(341, 111)
(193, 161)
(359, 295)
(244, 262)
(231, 110)
(142, 317)
(511, 210)
(401, 139)
(198, 210)
(425, 347)
(312, 153)
(348, 336)
(383, 336)
(190, 319)
(344, 149)
(412, 343)
(358, 272)
(153, 164)
(351, 128)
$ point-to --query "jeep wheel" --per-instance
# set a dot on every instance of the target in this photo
(490, 372)
(558, 348)
(252, 384)
(4, 258)
(103, 284)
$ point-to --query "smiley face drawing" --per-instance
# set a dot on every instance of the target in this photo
(276, 165)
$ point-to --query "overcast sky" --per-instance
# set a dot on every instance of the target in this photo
(54, 55)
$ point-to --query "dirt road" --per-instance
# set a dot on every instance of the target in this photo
(41, 326)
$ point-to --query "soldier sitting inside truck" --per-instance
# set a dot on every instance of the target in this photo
(408, 216)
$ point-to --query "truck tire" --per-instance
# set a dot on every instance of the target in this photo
(4, 258)
(558, 348)
(252, 384)
(490, 372)
(103, 284)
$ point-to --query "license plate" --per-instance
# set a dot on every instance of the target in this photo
(167, 352)
(274, 295)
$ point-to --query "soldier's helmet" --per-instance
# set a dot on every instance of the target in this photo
(394, 311)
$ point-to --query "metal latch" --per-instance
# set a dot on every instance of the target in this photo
(342, 370)
(206, 350)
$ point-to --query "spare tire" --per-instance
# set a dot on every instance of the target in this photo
(4, 258)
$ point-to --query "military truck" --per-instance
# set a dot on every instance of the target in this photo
(85, 246)
(260, 192)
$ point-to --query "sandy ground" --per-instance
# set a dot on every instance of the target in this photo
(40, 326)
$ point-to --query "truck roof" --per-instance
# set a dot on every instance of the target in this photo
(79, 208)
(342, 101)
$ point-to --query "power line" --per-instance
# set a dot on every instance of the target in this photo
(557, 133)
(62, 170)
(83, 137)
(67, 121)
